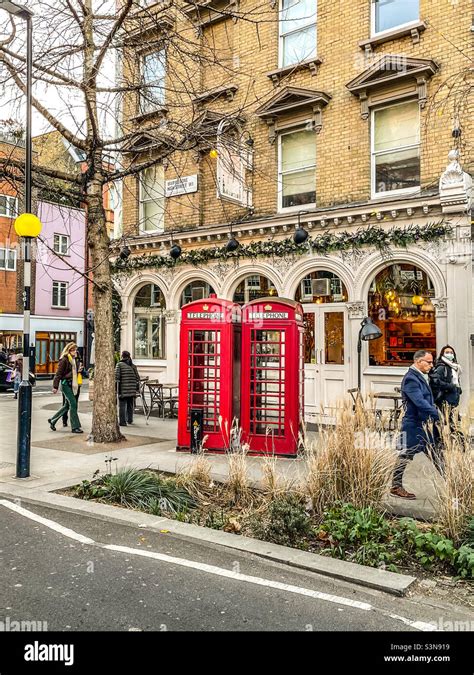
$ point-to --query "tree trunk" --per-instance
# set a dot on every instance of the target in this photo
(105, 427)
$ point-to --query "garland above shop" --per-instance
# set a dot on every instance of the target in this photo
(321, 244)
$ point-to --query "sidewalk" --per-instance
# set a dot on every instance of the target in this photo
(60, 459)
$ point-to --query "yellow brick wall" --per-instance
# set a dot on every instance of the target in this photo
(247, 49)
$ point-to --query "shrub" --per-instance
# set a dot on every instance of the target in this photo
(285, 522)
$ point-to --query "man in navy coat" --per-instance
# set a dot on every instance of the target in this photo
(419, 426)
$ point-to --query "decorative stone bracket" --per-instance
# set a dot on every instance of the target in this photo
(441, 307)
(455, 187)
(356, 310)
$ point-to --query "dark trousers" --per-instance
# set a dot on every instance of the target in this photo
(126, 406)
(65, 416)
(434, 452)
(71, 405)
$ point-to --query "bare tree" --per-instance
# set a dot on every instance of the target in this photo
(88, 86)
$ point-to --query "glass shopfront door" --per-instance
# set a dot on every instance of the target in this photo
(325, 356)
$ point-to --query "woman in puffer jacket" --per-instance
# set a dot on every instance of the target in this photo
(128, 386)
(445, 382)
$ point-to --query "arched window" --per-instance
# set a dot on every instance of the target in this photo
(253, 287)
(149, 321)
(321, 287)
(400, 304)
(196, 290)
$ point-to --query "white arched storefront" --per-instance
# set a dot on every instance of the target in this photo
(403, 341)
(331, 368)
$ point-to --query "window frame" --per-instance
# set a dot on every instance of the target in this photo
(154, 312)
(401, 26)
(61, 237)
(373, 155)
(145, 105)
(11, 206)
(282, 35)
(286, 132)
(66, 295)
(7, 258)
(142, 201)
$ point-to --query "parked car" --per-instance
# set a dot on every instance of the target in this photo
(4, 372)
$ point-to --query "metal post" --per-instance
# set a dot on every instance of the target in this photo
(25, 389)
(359, 355)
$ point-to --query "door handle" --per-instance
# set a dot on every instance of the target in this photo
(321, 356)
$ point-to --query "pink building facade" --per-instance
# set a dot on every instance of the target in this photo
(59, 284)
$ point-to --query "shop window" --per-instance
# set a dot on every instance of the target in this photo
(196, 290)
(297, 31)
(400, 304)
(321, 287)
(150, 323)
(390, 14)
(253, 287)
(396, 149)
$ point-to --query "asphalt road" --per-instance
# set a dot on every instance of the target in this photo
(46, 576)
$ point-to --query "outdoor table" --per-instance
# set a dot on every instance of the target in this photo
(394, 396)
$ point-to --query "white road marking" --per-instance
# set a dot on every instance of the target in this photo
(211, 569)
(46, 522)
(419, 625)
(222, 572)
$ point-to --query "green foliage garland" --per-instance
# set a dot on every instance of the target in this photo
(322, 244)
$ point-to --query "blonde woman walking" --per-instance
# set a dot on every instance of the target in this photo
(67, 374)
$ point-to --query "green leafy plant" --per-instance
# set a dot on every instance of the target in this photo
(362, 536)
(286, 522)
(464, 563)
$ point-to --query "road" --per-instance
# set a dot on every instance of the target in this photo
(47, 575)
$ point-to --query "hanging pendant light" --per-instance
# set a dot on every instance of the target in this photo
(301, 235)
(175, 251)
(232, 245)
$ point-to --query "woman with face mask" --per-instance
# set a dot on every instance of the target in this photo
(445, 382)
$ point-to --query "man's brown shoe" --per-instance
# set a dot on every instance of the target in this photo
(401, 492)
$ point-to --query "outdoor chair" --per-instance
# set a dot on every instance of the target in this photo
(155, 390)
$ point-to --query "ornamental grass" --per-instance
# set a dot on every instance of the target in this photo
(455, 504)
(350, 462)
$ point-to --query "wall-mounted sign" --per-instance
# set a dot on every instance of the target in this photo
(181, 186)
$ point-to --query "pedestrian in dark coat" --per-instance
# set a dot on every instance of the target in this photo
(445, 381)
(128, 387)
(420, 414)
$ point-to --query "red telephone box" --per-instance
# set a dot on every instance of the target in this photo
(208, 366)
(272, 405)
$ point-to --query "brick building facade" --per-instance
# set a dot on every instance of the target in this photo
(338, 119)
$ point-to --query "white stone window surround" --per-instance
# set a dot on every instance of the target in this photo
(374, 154)
(413, 22)
(307, 21)
(310, 166)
